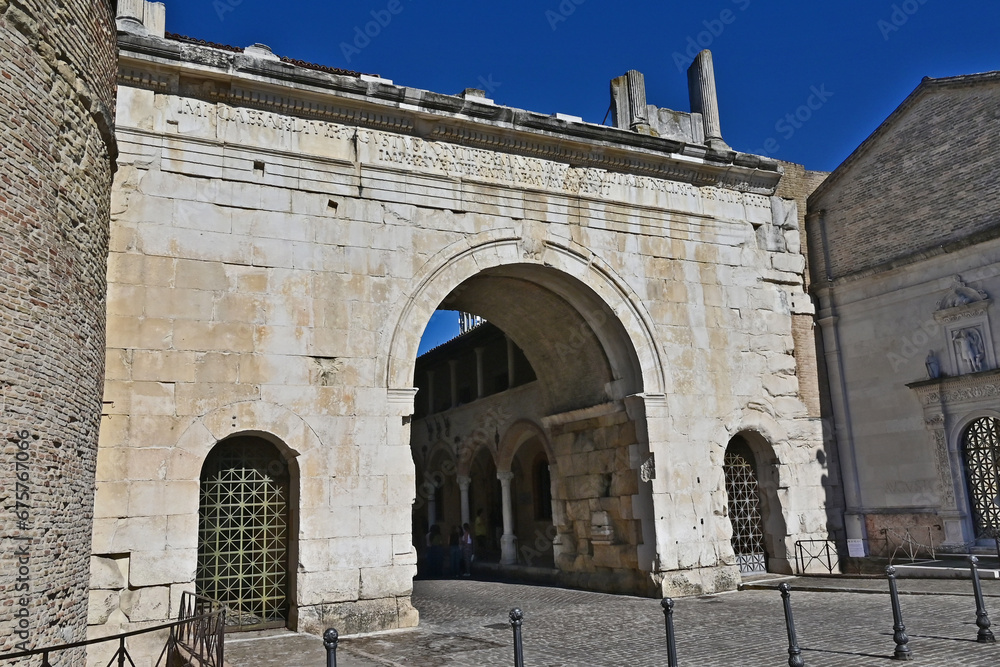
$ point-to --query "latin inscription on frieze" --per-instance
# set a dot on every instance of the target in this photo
(456, 161)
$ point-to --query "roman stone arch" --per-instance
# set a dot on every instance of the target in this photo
(590, 345)
(638, 361)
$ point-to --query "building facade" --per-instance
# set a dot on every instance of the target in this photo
(903, 251)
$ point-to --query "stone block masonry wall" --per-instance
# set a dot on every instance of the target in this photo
(57, 149)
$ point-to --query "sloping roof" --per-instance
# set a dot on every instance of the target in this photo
(927, 85)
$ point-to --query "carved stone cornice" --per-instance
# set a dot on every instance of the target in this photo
(219, 76)
(963, 312)
(956, 390)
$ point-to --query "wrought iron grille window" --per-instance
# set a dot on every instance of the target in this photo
(743, 493)
(243, 532)
(981, 446)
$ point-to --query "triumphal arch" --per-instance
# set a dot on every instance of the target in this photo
(281, 235)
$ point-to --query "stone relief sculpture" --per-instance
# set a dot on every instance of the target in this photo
(961, 295)
(969, 349)
(933, 366)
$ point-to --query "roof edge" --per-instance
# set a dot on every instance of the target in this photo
(927, 84)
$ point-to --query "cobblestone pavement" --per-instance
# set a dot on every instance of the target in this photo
(464, 623)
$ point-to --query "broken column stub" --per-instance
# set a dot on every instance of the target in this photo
(705, 100)
(628, 102)
(141, 17)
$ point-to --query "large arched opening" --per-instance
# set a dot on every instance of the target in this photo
(565, 494)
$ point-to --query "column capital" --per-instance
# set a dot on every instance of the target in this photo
(505, 476)
(464, 482)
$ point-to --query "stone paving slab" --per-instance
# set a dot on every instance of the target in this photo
(464, 623)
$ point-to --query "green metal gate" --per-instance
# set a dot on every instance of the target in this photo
(243, 532)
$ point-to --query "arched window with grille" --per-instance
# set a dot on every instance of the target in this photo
(243, 532)
(981, 454)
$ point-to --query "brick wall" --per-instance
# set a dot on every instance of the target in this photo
(798, 183)
(57, 74)
(919, 183)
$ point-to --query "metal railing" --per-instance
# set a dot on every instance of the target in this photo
(196, 639)
(823, 552)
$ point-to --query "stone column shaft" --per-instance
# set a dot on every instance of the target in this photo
(508, 543)
(704, 98)
(463, 487)
(480, 384)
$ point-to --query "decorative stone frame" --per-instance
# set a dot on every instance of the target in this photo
(949, 405)
(962, 318)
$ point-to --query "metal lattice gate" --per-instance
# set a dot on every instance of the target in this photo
(743, 493)
(981, 446)
(243, 533)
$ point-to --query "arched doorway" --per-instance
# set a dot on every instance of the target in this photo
(532, 494)
(243, 532)
(981, 457)
(744, 507)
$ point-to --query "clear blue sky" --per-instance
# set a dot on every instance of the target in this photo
(552, 56)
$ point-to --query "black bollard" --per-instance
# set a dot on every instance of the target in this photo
(794, 652)
(902, 651)
(330, 639)
(668, 617)
(985, 635)
(516, 616)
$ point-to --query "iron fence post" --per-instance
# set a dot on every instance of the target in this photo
(668, 619)
(902, 651)
(516, 617)
(330, 639)
(985, 635)
(794, 652)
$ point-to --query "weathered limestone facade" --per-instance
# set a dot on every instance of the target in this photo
(280, 237)
(58, 153)
(904, 249)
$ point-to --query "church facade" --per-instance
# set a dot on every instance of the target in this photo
(903, 253)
